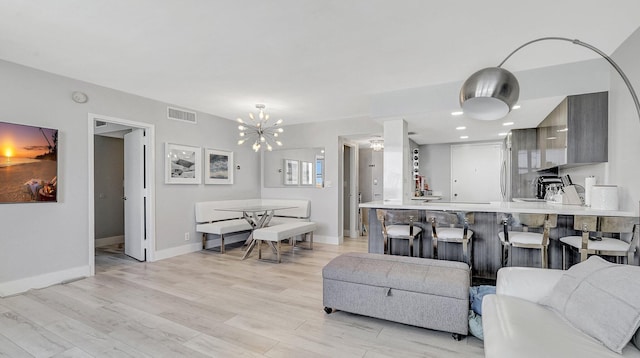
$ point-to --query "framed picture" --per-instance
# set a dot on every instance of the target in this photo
(28, 163)
(291, 172)
(218, 167)
(306, 173)
(182, 164)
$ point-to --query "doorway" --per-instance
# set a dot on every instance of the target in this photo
(131, 147)
(350, 190)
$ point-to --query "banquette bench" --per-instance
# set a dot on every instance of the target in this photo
(210, 220)
(285, 231)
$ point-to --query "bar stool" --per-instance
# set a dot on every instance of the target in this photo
(399, 225)
(524, 238)
(602, 245)
(445, 227)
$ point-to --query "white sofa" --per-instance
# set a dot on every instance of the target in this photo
(515, 325)
(212, 221)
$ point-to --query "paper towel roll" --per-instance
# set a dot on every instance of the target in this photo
(604, 197)
(589, 182)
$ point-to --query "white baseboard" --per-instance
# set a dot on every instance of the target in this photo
(41, 281)
(112, 240)
(177, 251)
(323, 239)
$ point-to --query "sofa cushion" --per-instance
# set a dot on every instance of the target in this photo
(600, 299)
(636, 339)
(514, 327)
(224, 227)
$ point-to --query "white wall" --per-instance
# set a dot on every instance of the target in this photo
(326, 203)
(623, 168)
(44, 243)
(624, 126)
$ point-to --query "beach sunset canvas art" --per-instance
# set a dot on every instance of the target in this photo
(28, 163)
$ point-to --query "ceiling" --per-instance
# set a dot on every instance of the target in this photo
(319, 60)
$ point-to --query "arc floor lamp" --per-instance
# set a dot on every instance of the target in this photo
(490, 93)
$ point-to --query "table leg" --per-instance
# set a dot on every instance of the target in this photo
(251, 246)
(257, 224)
(249, 239)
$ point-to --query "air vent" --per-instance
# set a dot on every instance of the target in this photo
(181, 115)
(100, 124)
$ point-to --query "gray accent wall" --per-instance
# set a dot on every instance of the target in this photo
(108, 186)
(41, 239)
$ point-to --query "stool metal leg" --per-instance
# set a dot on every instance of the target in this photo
(411, 246)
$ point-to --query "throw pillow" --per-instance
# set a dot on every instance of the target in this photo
(601, 299)
(636, 339)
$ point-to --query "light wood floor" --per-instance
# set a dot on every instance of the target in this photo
(205, 304)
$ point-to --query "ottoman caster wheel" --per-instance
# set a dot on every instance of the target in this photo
(328, 310)
(457, 336)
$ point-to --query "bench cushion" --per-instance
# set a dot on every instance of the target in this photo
(284, 231)
(279, 220)
(224, 227)
(208, 211)
(436, 277)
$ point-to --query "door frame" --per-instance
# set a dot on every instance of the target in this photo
(149, 174)
(353, 203)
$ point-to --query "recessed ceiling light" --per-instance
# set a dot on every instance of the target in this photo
(507, 123)
(551, 138)
(503, 134)
(461, 128)
(516, 106)
(562, 130)
(457, 113)
(464, 136)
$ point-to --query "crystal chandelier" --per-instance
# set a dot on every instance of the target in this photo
(377, 144)
(259, 131)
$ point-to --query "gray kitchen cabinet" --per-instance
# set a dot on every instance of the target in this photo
(575, 132)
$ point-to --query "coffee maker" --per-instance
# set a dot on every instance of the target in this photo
(544, 181)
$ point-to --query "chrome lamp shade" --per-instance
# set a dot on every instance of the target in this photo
(489, 94)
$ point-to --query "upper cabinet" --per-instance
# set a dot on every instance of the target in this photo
(575, 132)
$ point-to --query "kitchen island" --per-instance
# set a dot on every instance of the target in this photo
(486, 245)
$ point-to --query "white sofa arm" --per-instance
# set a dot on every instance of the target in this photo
(531, 284)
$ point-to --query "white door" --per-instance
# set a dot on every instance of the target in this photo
(134, 189)
(475, 172)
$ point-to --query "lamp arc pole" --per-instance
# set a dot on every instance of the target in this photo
(592, 48)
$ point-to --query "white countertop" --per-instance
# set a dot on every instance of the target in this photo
(499, 207)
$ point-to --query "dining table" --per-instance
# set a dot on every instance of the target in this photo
(258, 216)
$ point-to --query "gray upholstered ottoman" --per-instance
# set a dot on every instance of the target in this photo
(421, 292)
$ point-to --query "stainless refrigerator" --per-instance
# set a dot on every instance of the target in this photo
(520, 164)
